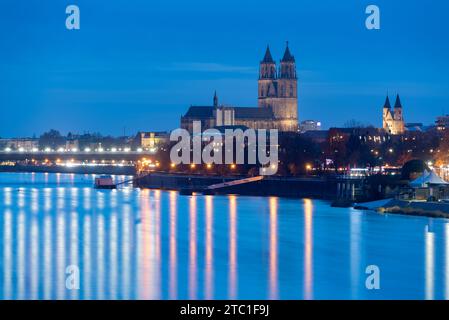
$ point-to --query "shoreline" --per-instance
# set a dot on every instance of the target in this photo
(286, 187)
(409, 208)
(112, 170)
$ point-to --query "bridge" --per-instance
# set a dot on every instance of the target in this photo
(79, 156)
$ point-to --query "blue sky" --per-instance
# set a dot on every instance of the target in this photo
(139, 64)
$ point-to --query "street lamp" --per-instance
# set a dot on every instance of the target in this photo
(308, 167)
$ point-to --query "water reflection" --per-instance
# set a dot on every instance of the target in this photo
(446, 256)
(60, 255)
(113, 255)
(209, 249)
(74, 246)
(232, 287)
(157, 244)
(21, 254)
(126, 252)
(145, 251)
(273, 282)
(149, 258)
(355, 248)
(151, 244)
(34, 265)
(47, 248)
(308, 250)
(192, 249)
(7, 254)
(429, 263)
(7, 196)
(100, 276)
(87, 257)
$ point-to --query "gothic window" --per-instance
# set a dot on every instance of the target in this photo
(283, 91)
(291, 91)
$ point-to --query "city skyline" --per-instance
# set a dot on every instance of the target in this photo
(145, 68)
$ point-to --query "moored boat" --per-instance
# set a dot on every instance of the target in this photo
(104, 182)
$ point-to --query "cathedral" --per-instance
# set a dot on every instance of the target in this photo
(393, 120)
(277, 101)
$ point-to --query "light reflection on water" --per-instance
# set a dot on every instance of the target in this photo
(151, 244)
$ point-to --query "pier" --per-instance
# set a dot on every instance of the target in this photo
(304, 187)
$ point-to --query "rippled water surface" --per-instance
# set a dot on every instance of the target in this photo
(55, 229)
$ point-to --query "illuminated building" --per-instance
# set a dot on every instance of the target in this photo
(393, 120)
(277, 101)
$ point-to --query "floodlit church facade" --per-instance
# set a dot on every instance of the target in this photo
(277, 101)
(393, 120)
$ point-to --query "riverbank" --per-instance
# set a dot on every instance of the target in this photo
(314, 187)
(414, 208)
(307, 187)
(114, 170)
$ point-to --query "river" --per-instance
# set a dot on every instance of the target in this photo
(62, 239)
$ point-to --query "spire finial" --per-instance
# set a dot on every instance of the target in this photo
(268, 58)
(215, 99)
(288, 57)
(397, 103)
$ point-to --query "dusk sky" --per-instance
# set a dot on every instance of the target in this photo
(140, 64)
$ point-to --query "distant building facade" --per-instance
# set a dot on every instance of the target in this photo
(393, 120)
(442, 122)
(277, 101)
(72, 144)
(309, 125)
(150, 140)
(414, 126)
(19, 143)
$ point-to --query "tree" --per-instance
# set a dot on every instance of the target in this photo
(354, 124)
(51, 139)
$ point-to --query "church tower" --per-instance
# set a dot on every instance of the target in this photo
(278, 90)
(393, 121)
(387, 118)
(398, 116)
(267, 79)
(215, 99)
(286, 107)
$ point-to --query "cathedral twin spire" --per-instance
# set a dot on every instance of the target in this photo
(268, 66)
(393, 120)
(397, 103)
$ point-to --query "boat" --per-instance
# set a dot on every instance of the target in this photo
(104, 182)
